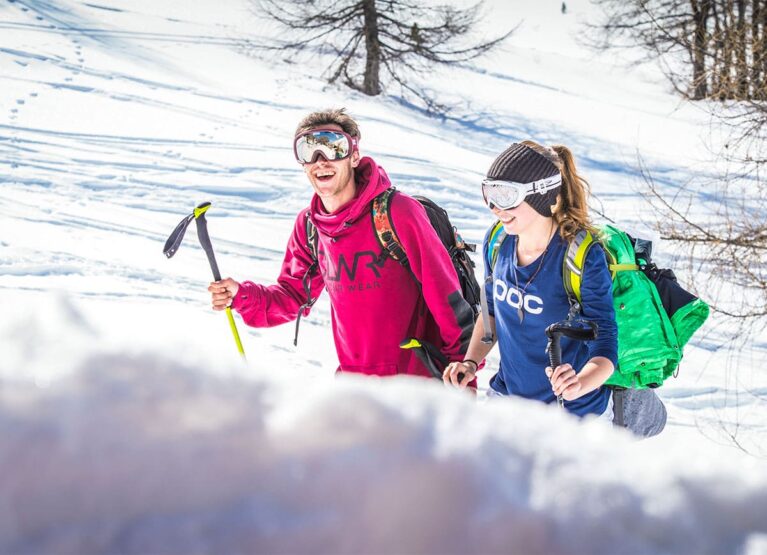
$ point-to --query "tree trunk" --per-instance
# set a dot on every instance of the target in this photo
(728, 54)
(371, 85)
(717, 80)
(762, 53)
(756, 51)
(740, 52)
(700, 11)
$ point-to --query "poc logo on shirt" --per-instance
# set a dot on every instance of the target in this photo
(515, 298)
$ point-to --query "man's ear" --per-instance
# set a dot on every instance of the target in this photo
(356, 158)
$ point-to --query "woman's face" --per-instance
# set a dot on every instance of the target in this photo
(516, 220)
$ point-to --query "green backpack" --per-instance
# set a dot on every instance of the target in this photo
(656, 317)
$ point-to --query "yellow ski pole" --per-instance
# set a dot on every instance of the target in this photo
(174, 241)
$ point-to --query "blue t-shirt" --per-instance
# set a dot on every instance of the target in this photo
(543, 302)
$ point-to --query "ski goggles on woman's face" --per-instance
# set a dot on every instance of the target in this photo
(505, 195)
(331, 144)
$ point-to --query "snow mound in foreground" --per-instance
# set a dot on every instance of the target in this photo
(133, 453)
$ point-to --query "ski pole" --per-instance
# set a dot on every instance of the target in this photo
(174, 242)
(429, 355)
(568, 328)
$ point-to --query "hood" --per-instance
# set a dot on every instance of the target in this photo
(371, 180)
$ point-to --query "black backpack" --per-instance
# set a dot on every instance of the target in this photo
(448, 235)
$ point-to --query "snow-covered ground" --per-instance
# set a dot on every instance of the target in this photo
(128, 422)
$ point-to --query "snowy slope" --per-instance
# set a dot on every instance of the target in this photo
(117, 118)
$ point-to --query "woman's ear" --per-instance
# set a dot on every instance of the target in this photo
(356, 158)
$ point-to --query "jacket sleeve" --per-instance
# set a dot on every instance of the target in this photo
(264, 306)
(432, 268)
(597, 305)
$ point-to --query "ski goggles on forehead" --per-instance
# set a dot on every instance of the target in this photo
(509, 194)
(331, 144)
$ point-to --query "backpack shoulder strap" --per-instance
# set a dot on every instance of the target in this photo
(312, 243)
(384, 228)
(311, 238)
(572, 266)
(575, 259)
(495, 239)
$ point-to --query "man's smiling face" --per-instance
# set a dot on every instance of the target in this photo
(333, 181)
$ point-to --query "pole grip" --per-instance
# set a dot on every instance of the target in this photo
(202, 235)
(427, 361)
(555, 359)
(429, 355)
(555, 351)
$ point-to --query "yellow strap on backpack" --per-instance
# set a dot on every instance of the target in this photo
(572, 267)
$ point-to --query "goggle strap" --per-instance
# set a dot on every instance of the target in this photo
(542, 186)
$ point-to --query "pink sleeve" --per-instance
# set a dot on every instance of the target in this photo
(264, 306)
(432, 267)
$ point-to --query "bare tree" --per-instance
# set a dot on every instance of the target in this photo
(377, 42)
(700, 14)
(671, 31)
(726, 250)
(712, 49)
(717, 229)
(707, 47)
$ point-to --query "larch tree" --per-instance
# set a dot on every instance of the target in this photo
(376, 43)
(712, 49)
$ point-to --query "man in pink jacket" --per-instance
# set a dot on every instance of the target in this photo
(376, 302)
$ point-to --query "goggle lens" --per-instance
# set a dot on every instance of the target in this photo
(503, 196)
(331, 145)
(506, 195)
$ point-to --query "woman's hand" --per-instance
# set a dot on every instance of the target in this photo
(565, 382)
(453, 371)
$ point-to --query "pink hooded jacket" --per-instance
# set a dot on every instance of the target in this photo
(375, 302)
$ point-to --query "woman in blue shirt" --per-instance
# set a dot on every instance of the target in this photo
(540, 199)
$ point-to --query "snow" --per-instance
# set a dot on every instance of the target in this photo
(141, 453)
(129, 424)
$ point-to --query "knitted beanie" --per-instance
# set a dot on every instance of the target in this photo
(522, 164)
